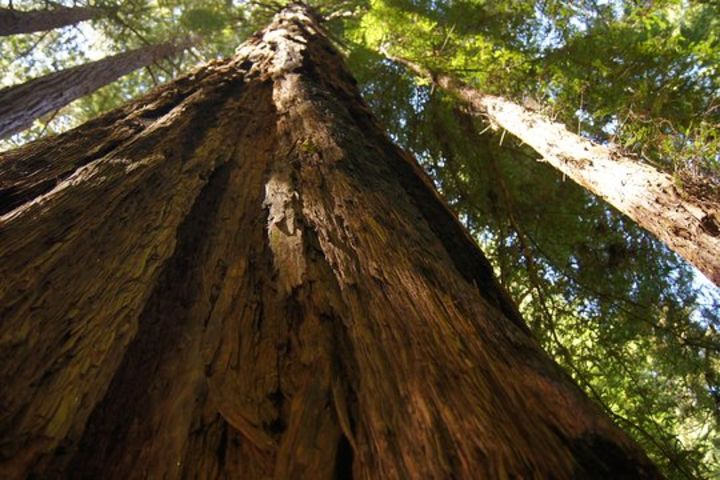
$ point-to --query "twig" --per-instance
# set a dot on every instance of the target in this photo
(47, 124)
(32, 47)
(152, 75)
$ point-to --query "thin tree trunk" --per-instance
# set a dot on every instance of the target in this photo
(688, 225)
(13, 21)
(21, 104)
(240, 276)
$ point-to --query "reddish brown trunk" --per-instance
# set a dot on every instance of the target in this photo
(251, 281)
(13, 22)
(21, 104)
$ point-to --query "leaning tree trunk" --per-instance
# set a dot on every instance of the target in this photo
(688, 225)
(21, 104)
(240, 276)
(13, 21)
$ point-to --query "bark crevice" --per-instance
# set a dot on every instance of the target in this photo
(160, 325)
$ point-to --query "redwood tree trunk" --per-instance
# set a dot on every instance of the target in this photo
(688, 225)
(13, 22)
(239, 276)
(21, 104)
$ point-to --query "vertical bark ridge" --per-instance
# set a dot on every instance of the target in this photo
(121, 211)
(165, 330)
(290, 301)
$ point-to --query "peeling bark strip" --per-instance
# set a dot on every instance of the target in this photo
(251, 281)
(687, 225)
(13, 22)
(21, 104)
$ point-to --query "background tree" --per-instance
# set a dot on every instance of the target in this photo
(687, 224)
(134, 25)
(13, 21)
(22, 104)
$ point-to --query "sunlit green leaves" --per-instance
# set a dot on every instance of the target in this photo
(202, 20)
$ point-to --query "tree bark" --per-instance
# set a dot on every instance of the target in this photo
(21, 104)
(688, 225)
(240, 276)
(13, 21)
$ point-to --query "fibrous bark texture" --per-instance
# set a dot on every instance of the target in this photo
(13, 22)
(688, 225)
(240, 276)
(21, 104)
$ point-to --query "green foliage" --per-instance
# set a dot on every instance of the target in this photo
(628, 319)
(202, 20)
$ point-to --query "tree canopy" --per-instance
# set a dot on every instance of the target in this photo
(633, 323)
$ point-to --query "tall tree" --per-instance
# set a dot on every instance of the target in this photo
(22, 104)
(13, 22)
(686, 223)
(240, 275)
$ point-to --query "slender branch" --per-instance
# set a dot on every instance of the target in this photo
(32, 47)
(47, 124)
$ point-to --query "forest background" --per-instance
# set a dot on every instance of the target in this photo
(634, 324)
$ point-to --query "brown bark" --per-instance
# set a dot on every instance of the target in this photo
(250, 281)
(13, 21)
(21, 104)
(688, 225)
